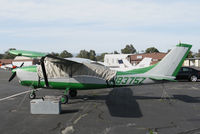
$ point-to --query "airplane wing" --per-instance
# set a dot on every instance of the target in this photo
(80, 60)
(57, 67)
(27, 53)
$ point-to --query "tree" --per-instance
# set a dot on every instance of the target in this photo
(84, 54)
(101, 57)
(65, 54)
(115, 52)
(1, 56)
(198, 54)
(190, 55)
(142, 51)
(129, 49)
(88, 55)
(54, 54)
(151, 50)
(7, 55)
(92, 55)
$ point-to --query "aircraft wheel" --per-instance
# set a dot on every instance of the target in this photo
(193, 78)
(32, 95)
(64, 99)
(73, 93)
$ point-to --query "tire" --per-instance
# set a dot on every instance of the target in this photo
(193, 78)
(32, 95)
(64, 99)
(73, 93)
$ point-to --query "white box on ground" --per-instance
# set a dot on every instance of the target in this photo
(45, 106)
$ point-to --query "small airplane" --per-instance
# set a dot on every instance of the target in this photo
(8, 66)
(127, 66)
(120, 62)
(72, 75)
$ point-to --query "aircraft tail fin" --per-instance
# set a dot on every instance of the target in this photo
(172, 62)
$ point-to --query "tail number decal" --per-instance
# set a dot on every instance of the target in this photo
(129, 80)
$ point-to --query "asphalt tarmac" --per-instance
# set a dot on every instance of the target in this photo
(129, 110)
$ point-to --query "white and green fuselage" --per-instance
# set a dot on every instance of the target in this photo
(28, 77)
(166, 69)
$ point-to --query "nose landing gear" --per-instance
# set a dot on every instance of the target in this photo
(32, 95)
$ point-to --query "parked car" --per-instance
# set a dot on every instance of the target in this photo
(188, 73)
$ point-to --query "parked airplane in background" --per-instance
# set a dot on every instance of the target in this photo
(8, 66)
(120, 62)
(126, 66)
(71, 75)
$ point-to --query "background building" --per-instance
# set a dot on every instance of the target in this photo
(17, 61)
(156, 57)
(113, 60)
(6, 61)
(26, 60)
(195, 62)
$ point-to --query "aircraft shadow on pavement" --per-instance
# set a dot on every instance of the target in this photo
(187, 98)
(184, 98)
(120, 102)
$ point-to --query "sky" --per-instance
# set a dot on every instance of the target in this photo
(100, 25)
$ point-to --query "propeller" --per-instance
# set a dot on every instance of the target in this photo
(14, 74)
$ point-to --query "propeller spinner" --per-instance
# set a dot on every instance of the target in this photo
(14, 74)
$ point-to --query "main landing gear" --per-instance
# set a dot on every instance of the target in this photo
(65, 97)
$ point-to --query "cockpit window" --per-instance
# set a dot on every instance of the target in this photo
(120, 61)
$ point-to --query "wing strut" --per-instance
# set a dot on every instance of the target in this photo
(44, 72)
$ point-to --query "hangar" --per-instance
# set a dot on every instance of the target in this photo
(26, 60)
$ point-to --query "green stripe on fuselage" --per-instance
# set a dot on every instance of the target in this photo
(136, 71)
(29, 68)
(64, 85)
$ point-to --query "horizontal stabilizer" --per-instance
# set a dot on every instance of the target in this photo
(159, 78)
